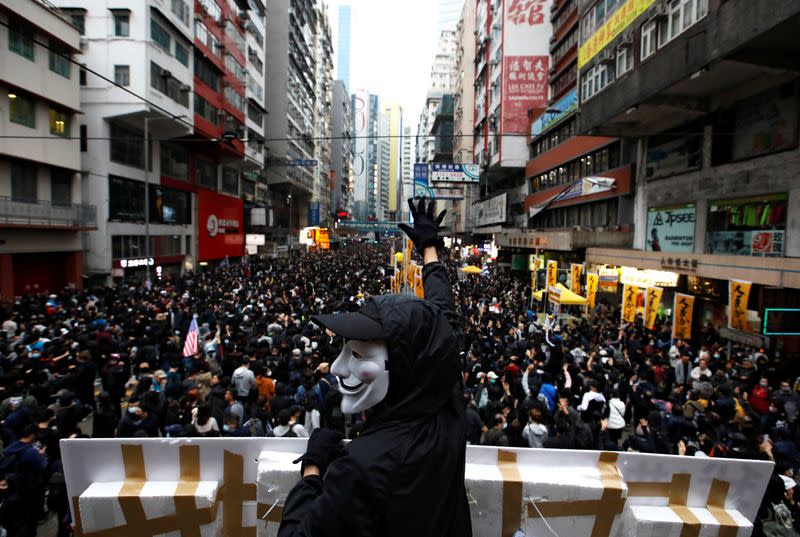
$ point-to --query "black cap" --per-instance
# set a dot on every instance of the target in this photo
(363, 324)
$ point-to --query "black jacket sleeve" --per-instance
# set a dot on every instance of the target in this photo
(439, 291)
(343, 503)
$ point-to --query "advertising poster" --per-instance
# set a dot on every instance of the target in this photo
(491, 211)
(682, 312)
(671, 229)
(524, 87)
(220, 226)
(592, 280)
(651, 303)
(738, 295)
(552, 273)
(630, 294)
(575, 270)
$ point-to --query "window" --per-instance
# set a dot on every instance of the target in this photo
(236, 100)
(125, 199)
(747, 226)
(205, 71)
(82, 76)
(169, 206)
(234, 67)
(230, 181)
(181, 10)
(624, 60)
(23, 182)
(648, 39)
(22, 110)
(212, 9)
(206, 38)
(84, 139)
(181, 54)
(20, 39)
(174, 161)
(59, 61)
(206, 110)
(59, 123)
(596, 79)
(163, 81)
(206, 173)
(159, 35)
(60, 186)
(122, 75)
(681, 14)
(127, 146)
(122, 24)
(78, 19)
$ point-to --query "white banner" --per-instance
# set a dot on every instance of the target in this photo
(491, 211)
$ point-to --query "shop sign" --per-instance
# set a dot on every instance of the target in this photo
(221, 231)
(679, 263)
(671, 229)
(491, 211)
(134, 263)
(609, 279)
(743, 338)
(648, 278)
(255, 239)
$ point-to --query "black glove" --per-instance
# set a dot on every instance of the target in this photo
(426, 228)
(324, 446)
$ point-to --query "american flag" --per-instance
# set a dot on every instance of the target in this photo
(190, 346)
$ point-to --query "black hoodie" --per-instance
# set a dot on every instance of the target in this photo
(404, 475)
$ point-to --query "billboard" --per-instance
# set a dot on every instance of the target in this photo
(454, 173)
(565, 106)
(614, 25)
(360, 131)
(491, 211)
(671, 229)
(526, 59)
(220, 221)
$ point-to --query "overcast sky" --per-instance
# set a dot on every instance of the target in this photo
(392, 47)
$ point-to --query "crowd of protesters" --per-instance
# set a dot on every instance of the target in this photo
(110, 363)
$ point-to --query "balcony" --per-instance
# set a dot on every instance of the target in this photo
(44, 214)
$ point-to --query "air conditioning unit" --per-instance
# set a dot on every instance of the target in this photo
(198, 17)
(661, 10)
(84, 42)
(165, 73)
(185, 88)
(627, 40)
(606, 56)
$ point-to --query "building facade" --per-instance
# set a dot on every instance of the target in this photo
(464, 111)
(42, 208)
(345, 20)
(447, 14)
(341, 151)
(320, 210)
(707, 92)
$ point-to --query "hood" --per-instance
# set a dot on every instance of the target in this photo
(16, 447)
(423, 358)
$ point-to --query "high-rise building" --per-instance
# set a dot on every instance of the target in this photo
(341, 149)
(40, 183)
(394, 117)
(291, 99)
(407, 172)
(447, 14)
(320, 199)
(199, 67)
(717, 196)
(367, 156)
(384, 162)
(511, 79)
(345, 20)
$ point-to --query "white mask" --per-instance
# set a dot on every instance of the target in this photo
(363, 372)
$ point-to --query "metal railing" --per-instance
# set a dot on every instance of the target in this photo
(45, 213)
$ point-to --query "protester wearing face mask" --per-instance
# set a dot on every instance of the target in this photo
(400, 363)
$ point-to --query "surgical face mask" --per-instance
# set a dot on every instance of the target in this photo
(226, 427)
(363, 372)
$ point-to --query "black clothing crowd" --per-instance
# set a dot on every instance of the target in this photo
(109, 363)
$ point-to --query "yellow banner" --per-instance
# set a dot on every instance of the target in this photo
(592, 280)
(738, 295)
(613, 27)
(576, 270)
(419, 289)
(533, 281)
(630, 293)
(410, 272)
(552, 273)
(651, 304)
(682, 313)
(408, 262)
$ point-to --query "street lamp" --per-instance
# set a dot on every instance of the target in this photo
(147, 121)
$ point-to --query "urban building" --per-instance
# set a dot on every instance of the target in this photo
(707, 92)
(407, 173)
(42, 209)
(393, 114)
(366, 155)
(384, 163)
(511, 78)
(341, 151)
(345, 21)
(291, 100)
(320, 209)
(185, 77)
(580, 187)
(447, 14)
(464, 111)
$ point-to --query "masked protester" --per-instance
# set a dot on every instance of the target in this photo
(404, 474)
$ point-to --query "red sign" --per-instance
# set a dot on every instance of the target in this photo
(524, 87)
(220, 226)
(530, 12)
